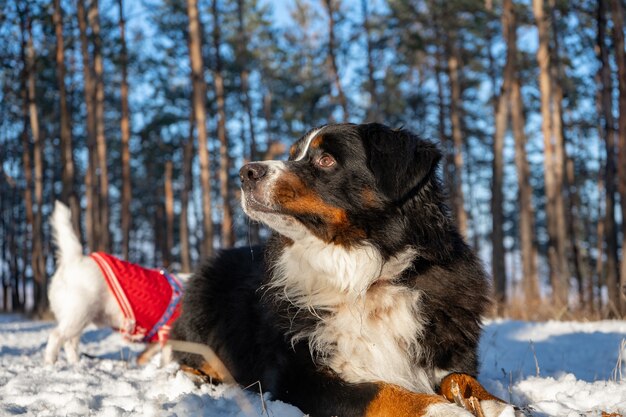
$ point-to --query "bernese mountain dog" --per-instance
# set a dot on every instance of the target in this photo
(365, 301)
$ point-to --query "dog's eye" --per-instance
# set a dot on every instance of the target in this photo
(326, 161)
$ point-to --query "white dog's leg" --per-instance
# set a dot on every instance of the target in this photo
(67, 334)
(71, 349)
(53, 347)
(72, 320)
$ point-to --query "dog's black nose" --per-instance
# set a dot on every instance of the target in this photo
(251, 173)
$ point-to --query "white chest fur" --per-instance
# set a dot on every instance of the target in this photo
(368, 328)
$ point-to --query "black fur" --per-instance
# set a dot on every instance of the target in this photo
(227, 306)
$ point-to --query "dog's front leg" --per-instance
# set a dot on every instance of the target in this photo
(323, 394)
(52, 348)
(394, 401)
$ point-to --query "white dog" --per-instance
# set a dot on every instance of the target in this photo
(104, 290)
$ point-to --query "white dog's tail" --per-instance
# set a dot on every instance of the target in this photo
(68, 244)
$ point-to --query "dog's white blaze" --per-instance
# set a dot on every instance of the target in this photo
(307, 143)
(370, 329)
(274, 168)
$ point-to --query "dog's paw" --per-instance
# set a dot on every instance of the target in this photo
(447, 410)
(72, 356)
(493, 408)
(49, 359)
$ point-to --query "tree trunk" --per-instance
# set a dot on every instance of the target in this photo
(199, 109)
(160, 238)
(26, 145)
(23, 256)
(583, 230)
(26, 159)
(448, 163)
(599, 255)
(228, 235)
(37, 256)
(185, 255)
(557, 275)
(68, 193)
(618, 40)
(5, 239)
(21, 253)
(10, 223)
(331, 8)
(608, 133)
(577, 231)
(373, 113)
(169, 214)
(18, 252)
(101, 145)
(525, 194)
(267, 113)
(125, 128)
(243, 56)
(457, 135)
(91, 218)
(528, 243)
(501, 119)
(6, 244)
(562, 187)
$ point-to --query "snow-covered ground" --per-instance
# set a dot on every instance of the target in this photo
(551, 368)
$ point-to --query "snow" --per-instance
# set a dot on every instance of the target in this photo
(549, 368)
(556, 368)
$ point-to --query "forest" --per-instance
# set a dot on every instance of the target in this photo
(139, 113)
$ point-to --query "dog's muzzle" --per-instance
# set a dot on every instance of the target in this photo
(256, 186)
(250, 174)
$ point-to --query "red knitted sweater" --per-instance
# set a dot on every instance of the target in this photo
(148, 298)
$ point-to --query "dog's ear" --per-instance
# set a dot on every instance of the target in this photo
(400, 161)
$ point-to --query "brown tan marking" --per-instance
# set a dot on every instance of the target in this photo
(292, 151)
(317, 142)
(469, 388)
(393, 401)
(205, 373)
(370, 198)
(294, 198)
